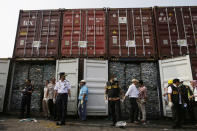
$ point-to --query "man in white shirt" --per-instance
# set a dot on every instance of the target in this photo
(62, 90)
(133, 92)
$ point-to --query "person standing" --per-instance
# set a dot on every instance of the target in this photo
(113, 94)
(83, 98)
(26, 98)
(165, 95)
(50, 93)
(133, 93)
(62, 90)
(45, 101)
(142, 97)
(176, 102)
(194, 96)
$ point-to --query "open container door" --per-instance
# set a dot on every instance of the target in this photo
(179, 67)
(4, 69)
(96, 76)
(70, 67)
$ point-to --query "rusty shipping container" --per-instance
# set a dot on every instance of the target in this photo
(176, 29)
(83, 33)
(37, 34)
(131, 33)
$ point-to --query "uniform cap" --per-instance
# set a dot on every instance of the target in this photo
(62, 74)
(170, 81)
(134, 80)
(82, 81)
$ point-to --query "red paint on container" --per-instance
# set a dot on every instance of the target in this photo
(131, 33)
(37, 34)
(83, 33)
(176, 29)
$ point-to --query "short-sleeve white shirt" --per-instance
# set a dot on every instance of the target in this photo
(62, 86)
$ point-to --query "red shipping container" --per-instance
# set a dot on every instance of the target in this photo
(83, 33)
(176, 29)
(37, 34)
(131, 33)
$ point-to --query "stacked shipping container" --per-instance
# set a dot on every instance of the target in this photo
(83, 33)
(38, 34)
(107, 33)
(176, 29)
(131, 33)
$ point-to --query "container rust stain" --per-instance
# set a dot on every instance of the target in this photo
(83, 33)
(37, 34)
(176, 29)
(131, 33)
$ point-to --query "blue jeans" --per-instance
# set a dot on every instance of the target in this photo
(82, 110)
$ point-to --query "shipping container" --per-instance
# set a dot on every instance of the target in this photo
(37, 34)
(4, 71)
(38, 72)
(131, 33)
(84, 33)
(176, 29)
(147, 71)
(179, 67)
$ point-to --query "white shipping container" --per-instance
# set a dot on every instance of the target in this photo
(179, 67)
(4, 69)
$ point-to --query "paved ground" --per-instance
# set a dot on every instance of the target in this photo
(11, 123)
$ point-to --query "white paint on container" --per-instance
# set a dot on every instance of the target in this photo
(96, 76)
(70, 67)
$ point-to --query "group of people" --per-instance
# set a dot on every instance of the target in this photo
(137, 94)
(182, 99)
(55, 99)
(179, 97)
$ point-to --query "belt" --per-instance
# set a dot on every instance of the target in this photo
(62, 93)
(114, 99)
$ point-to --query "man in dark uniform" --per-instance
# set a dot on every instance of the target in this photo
(62, 90)
(113, 94)
(26, 99)
(176, 101)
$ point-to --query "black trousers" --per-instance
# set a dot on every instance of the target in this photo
(25, 105)
(114, 107)
(195, 110)
(134, 109)
(62, 106)
(190, 111)
(178, 114)
(50, 105)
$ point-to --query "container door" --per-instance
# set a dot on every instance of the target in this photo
(96, 76)
(4, 68)
(70, 67)
(173, 68)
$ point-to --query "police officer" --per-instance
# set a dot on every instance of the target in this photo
(113, 94)
(62, 90)
(26, 99)
(176, 102)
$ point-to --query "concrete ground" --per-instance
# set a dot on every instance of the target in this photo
(12, 123)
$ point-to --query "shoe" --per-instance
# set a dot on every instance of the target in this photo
(113, 124)
(136, 122)
(60, 123)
